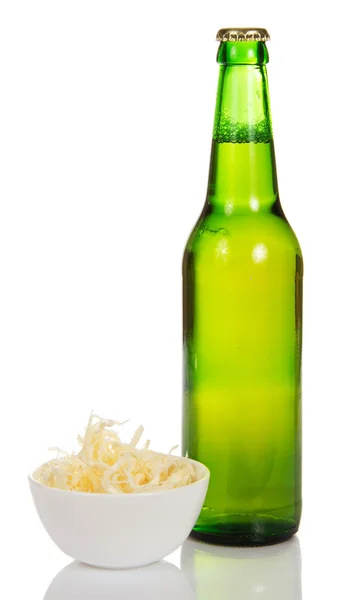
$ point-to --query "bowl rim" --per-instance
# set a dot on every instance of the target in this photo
(204, 477)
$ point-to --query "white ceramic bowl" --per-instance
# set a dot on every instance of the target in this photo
(120, 531)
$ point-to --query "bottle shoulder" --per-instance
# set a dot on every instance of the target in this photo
(242, 229)
(220, 244)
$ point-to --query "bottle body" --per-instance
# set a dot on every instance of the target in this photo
(242, 298)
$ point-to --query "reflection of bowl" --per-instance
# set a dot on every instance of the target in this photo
(120, 531)
(266, 573)
(159, 581)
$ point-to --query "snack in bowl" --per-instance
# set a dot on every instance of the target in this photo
(105, 464)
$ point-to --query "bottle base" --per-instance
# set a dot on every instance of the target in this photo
(254, 533)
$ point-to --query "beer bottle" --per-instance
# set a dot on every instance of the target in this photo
(242, 304)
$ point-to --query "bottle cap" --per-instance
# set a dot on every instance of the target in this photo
(243, 34)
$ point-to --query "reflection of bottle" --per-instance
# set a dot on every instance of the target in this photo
(269, 573)
(242, 275)
(159, 581)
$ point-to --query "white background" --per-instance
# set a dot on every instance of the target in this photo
(106, 113)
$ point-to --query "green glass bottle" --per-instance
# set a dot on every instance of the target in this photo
(242, 304)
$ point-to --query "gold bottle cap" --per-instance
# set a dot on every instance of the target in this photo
(243, 34)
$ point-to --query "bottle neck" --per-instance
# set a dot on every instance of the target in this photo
(243, 168)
